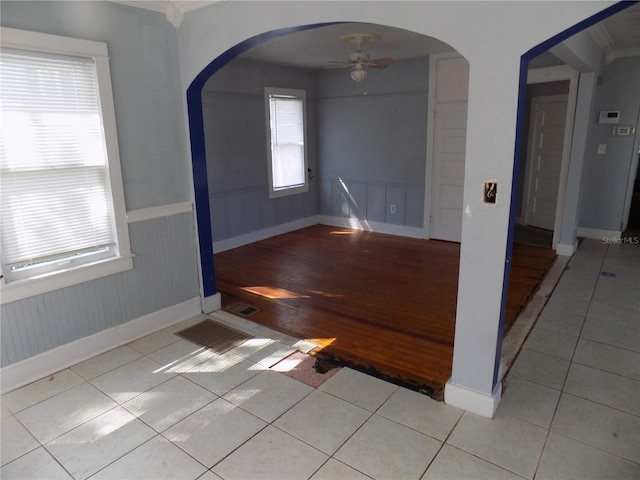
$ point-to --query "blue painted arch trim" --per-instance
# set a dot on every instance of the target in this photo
(197, 139)
(520, 132)
(198, 154)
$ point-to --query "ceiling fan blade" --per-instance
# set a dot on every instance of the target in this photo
(338, 65)
(381, 62)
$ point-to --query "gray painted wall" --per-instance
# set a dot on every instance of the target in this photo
(366, 151)
(236, 146)
(372, 143)
(146, 88)
(605, 177)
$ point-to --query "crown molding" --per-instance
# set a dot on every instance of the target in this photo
(600, 35)
(602, 39)
(174, 10)
(629, 52)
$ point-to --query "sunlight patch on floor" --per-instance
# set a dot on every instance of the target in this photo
(99, 427)
(273, 292)
(327, 294)
(218, 364)
(187, 362)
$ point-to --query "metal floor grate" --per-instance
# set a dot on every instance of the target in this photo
(213, 336)
(243, 309)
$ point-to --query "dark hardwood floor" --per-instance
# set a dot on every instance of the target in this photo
(380, 303)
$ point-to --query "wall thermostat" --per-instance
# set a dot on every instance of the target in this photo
(609, 116)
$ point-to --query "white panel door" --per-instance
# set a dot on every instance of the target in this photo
(450, 138)
(451, 91)
(544, 159)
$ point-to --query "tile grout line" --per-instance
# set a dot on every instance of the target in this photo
(601, 404)
(562, 392)
(607, 371)
(271, 423)
(121, 405)
(267, 423)
(44, 445)
(600, 342)
(57, 461)
(369, 417)
(371, 414)
(444, 442)
(218, 397)
(598, 448)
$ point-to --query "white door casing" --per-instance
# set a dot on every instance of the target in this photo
(544, 159)
(446, 143)
(554, 74)
(448, 81)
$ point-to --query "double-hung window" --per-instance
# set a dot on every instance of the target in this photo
(286, 139)
(63, 219)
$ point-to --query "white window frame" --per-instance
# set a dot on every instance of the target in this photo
(67, 276)
(293, 93)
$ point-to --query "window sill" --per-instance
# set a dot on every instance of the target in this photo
(288, 191)
(20, 289)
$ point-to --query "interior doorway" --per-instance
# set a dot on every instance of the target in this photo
(544, 158)
(550, 112)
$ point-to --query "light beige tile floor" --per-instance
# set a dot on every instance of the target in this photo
(161, 407)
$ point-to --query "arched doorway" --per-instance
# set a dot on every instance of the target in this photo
(352, 147)
(198, 153)
(484, 267)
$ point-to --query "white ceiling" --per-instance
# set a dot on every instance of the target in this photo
(618, 36)
(323, 44)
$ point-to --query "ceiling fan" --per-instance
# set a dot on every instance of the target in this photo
(360, 61)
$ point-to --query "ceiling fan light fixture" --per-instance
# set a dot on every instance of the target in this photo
(360, 61)
(358, 74)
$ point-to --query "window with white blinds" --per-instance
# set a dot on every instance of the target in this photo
(55, 185)
(287, 146)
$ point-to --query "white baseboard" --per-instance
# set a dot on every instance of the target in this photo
(212, 303)
(246, 239)
(46, 363)
(597, 233)
(378, 227)
(471, 400)
(565, 249)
